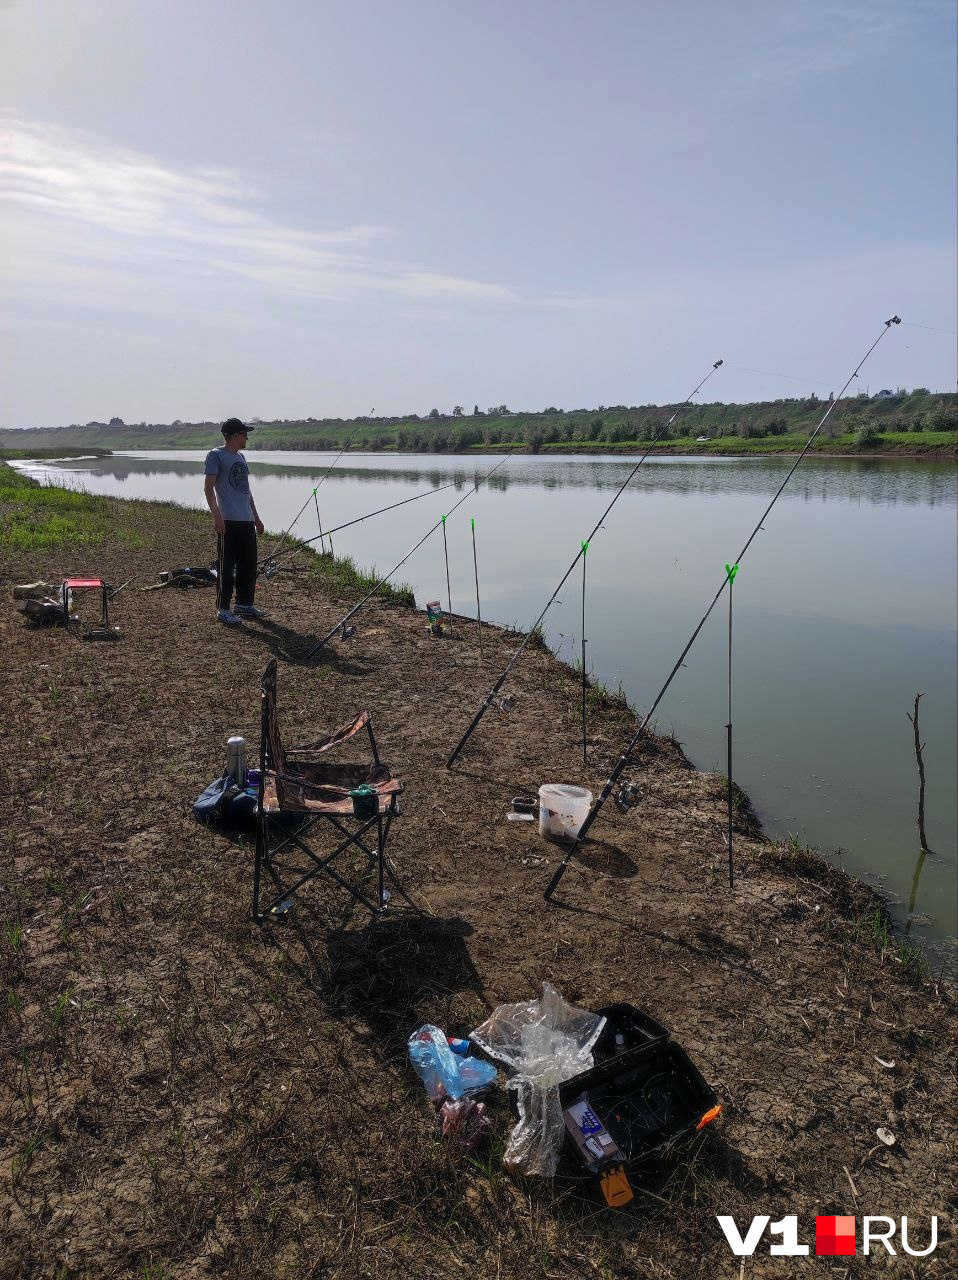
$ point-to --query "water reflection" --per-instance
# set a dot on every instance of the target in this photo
(851, 480)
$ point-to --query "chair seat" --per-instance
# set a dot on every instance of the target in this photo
(320, 797)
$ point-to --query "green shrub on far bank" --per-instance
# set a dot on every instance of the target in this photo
(866, 437)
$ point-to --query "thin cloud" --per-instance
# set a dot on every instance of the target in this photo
(799, 42)
(567, 300)
(208, 215)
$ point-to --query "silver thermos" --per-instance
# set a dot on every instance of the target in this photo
(236, 760)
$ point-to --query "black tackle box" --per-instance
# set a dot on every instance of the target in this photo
(642, 1096)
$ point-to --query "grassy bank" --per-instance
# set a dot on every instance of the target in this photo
(340, 576)
(36, 517)
(929, 444)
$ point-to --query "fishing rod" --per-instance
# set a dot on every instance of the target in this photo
(445, 548)
(474, 488)
(270, 560)
(731, 570)
(475, 562)
(319, 525)
(585, 679)
(626, 758)
(491, 695)
(285, 534)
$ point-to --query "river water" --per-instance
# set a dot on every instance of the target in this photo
(844, 608)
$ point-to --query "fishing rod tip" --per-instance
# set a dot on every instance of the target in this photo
(717, 363)
(893, 320)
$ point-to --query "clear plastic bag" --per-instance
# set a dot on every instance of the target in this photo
(445, 1074)
(543, 1042)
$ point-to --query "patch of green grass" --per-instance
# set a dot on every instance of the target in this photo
(22, 1159)
(598, 696)
(876, 927)
(911, 956)
(35, 517)
(798, 858)
(58, 1012)
(945, 440)
(847, 442)
(339, 575)
(154, 1271)
(13, 936)
(741, 804)
(537, 637)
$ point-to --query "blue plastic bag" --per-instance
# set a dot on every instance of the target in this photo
(443, 1073)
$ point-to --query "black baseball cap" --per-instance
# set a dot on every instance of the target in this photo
(233, 427)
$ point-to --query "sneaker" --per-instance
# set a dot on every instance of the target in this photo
(251, 611)
(227, 616)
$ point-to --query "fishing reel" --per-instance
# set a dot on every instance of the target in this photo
(628, 796)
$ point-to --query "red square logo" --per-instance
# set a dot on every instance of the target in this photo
(835, 1237)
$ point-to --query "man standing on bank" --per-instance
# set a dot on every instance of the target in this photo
(237, 524)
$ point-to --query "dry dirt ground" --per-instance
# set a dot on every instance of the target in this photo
(186, 1094)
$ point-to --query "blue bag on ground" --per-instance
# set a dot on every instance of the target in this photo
(209, 806)
(225, 804)
(443, 1073)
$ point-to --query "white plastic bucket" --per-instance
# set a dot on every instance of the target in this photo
(562, 810)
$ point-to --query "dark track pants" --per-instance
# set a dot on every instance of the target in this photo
(236, 560)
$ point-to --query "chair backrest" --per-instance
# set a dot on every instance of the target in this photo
(272, 754)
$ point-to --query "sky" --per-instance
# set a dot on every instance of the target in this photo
(292, 208)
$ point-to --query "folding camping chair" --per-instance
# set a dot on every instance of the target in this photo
(301, 801)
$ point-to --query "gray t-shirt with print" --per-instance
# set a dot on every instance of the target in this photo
(232, 483)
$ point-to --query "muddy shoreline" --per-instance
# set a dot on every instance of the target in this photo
(187, 1094)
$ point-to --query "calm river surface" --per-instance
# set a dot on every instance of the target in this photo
(845, 607)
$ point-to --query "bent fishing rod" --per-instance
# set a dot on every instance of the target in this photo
(491, 695)
(473, 488)
(625, 760)
(270, 561)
